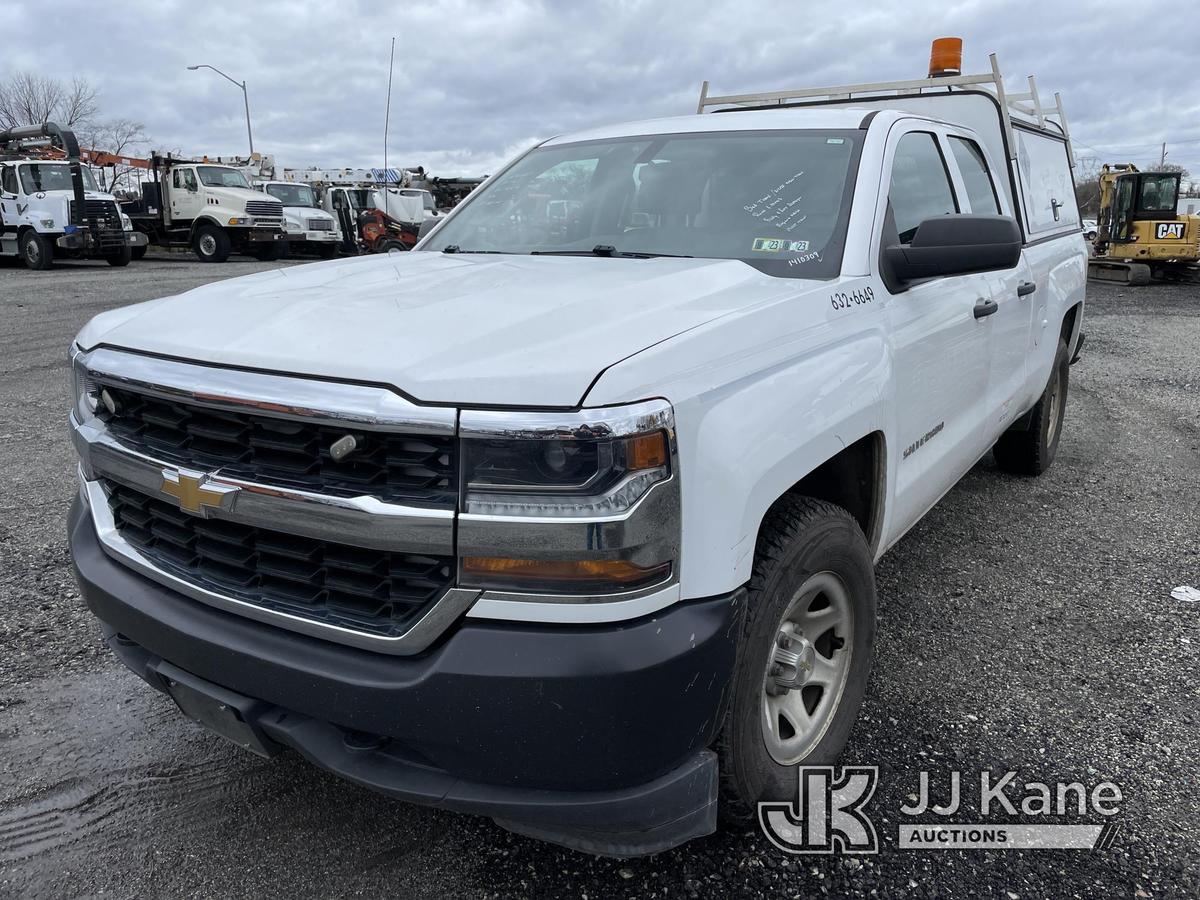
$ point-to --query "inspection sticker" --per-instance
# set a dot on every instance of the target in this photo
(777, 245)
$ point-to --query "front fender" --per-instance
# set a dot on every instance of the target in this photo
(757, 415)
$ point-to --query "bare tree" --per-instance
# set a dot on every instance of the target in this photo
(1170, 168)
(121, 137)
(27, 98)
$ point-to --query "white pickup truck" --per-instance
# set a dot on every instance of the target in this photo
(569, 517)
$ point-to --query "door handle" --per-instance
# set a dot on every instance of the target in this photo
(985, 308)
(1025, 288)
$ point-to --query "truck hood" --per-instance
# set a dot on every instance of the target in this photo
(237, 198)
(453, 329)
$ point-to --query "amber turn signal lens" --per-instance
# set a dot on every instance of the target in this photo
(535, 573)
(945, 57)
(646, 451)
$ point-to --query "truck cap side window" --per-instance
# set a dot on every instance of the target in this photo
(920, 186)
(776, 200)
(981, 191)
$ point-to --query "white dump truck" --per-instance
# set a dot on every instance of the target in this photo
(209, 208)
(50, 205)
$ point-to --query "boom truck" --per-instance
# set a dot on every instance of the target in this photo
(1141, 236)
(50, 206)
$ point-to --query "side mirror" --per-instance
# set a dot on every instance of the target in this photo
(956, 245)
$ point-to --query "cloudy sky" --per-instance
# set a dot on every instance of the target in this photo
(477, 81)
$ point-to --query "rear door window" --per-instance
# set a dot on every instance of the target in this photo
(920, 186)
(981, 191)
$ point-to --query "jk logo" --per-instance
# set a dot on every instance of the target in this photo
(827, 815)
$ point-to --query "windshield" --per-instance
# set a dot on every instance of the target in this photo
(37, 177)
(360, 198)
(426, 198)
(219, 176)
(777, 200)
(293, 194)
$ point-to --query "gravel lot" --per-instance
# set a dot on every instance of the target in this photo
(1025, 625)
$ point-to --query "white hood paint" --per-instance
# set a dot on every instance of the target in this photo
(455, 329)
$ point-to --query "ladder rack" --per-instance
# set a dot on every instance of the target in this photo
(1026, 104)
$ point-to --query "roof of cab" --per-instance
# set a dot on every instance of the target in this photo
(840, 117)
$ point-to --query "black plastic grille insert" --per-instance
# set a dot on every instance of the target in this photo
(373, 591)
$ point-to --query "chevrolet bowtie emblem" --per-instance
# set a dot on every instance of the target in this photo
(195, 493)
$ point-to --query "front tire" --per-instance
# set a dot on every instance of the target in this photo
(119, 258)
(269, 252)
(211, 244)
(1031, 452)
(138, 252)
(804, 655)
(37, 251)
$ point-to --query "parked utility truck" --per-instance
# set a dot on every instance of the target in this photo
(310, 229)
(209, 208)
(50, 206)
(569, 516)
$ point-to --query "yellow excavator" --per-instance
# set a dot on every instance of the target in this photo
(1141, 237)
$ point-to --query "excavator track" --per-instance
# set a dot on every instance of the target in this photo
(1136, 274)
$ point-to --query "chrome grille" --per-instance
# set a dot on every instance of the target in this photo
(373, 591)
(418, 470)
(264, 208)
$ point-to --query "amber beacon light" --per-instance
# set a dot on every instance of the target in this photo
(945, 57)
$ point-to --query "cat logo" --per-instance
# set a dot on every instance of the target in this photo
(1169, 231)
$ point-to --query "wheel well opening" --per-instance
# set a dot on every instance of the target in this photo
(852, 479)
(1068, 325)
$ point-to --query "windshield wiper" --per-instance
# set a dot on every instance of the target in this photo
(454, 248)
(607, 250)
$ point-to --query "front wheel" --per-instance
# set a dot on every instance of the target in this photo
(138, 252)
(212, 244)
(329, 251)
(120, 257)
(804, 654)
(37, 251)
(1031, 451)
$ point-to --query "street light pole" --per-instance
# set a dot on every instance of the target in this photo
(245, 98)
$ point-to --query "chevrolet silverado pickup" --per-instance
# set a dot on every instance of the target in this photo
(568, 517)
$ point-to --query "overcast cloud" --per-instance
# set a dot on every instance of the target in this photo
(476, 82)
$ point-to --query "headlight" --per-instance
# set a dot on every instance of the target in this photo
(238, 220)
(84, 392)
(47, 223)
(294, 226)
(578, 505)
(565, 465)
(126, 222)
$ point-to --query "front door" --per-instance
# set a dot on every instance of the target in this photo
(942, 352)
(186, 198)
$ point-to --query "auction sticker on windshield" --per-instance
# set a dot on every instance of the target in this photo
(776, 245)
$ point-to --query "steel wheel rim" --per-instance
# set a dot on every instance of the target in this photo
(33, 253)
(811, 650)
(208, 244)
